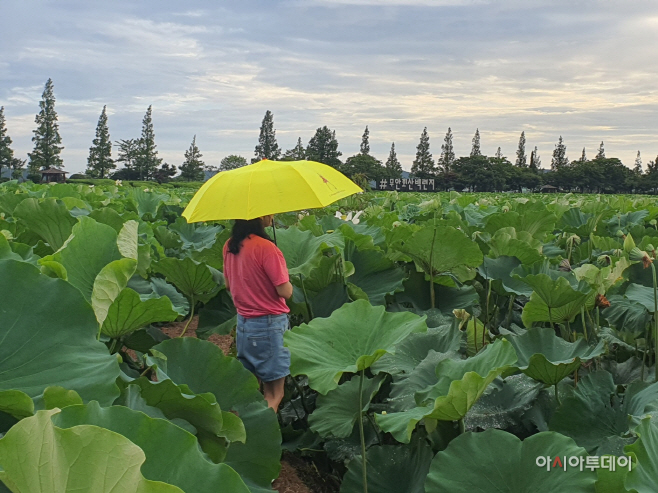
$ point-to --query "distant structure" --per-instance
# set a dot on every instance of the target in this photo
(53, 175)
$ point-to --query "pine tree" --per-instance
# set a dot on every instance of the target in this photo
(323, 147)
(601, 153)
(499, 154)
(583, 157)
(535, 161)
(128, 150)
(6, 152)
(423, 165)
(365, 142)
(447, 158)
(267, 147)
(100, 162)
(475, 150)
(47, 148)
(232, 161)
(147, 160)
(521, 158)
(393, 166)
(559, 156)
(297, 153)
(165, 172)
(638, 164)
(192, 167)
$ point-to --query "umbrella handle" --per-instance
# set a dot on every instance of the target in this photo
(274, 230)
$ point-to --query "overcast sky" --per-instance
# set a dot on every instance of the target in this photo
(583, 69)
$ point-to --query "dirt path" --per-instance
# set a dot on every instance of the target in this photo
(288, 480)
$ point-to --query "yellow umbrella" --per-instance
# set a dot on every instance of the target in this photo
(268, 187)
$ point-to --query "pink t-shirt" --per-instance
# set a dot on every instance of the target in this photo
(252, 276)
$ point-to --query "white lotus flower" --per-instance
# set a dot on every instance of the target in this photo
(118, 183)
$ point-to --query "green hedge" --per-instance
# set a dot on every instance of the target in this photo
(136, 183)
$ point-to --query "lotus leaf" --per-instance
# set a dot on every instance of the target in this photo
(442, 250)
(548, 358)
(473, 462)
(203, 368)
(61, 330)
(218, 316)
(627, 315)
(460, 384)
(642, 478)
(194, 280)
(90, 247)
(641, 294)
(42, 458)
(49, 219)
(108, 216)
(109, 283)
(302, 249)
(536, 310)
(147, 204)
(128, 313)
(507, 242)
(158, 288)
(195, 236)
(16, 403)
(391, 469)
(172, 454)
(350, 340)
(336, 412)
(60, 397)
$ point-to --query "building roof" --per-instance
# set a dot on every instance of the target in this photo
(549, 186)
(53, 171)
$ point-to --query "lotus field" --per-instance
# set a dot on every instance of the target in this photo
(440, 343)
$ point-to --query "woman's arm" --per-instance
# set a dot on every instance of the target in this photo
(284, 290)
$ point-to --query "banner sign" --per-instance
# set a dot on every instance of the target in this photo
(407, 184)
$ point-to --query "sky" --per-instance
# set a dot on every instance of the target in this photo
(585, 70)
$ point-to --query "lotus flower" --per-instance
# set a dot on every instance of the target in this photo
(354, 218)
(636, 255)
(601, 301)
(118, 183)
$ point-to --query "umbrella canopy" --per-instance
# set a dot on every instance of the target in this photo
(268, 187)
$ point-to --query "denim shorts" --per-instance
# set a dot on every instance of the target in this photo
(259, 342)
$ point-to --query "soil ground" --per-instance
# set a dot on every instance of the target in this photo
(293, 469)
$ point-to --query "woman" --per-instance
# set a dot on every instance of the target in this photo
(257, 277)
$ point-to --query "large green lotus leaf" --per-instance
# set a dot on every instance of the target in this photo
(172, 454)
(326, 271)
(475, 462)
(16, 403)
(128, 313)
(537, 222)
(553, 287)
(213, 256)
(602, 279)
(460, 384)
(167, 238)
(506, 243)
(641, 294)
(453, 250)
(108, 216)
(404, 387)
(336, 412)
(642, 478)
(203, 368)
(195, 236)
(158, 288)
(536, 310)
(218, 316)
(503, 407)
(302, 249)
(109, 283)
(575, 221)
(415, 348)
(374, 273)
(49, 219)
(350, 340)
(38, 457)
(548, 358)
(391, 469)
(500, 269)
(90, 247)
(417, 293)
(612, 481)
(127, 240)
(6, 252)
(201, 411)
(193, 280)
(52, 341)
(9, 201)
(56, 396)
(592, 413)
(147, 203)
(626, 315)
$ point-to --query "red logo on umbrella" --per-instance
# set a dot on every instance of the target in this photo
(327, 182)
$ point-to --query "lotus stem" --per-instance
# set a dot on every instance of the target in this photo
(189, 320)
(308, 305)
(582, 316)
(432, 295)
(487, 321)
(362, 435)
(509, 311)
(557, 397)
(655, 318)
(462, 428)
(113, 345)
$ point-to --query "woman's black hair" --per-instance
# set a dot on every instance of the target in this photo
(243, 228)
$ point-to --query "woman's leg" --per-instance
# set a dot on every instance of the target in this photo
(273, 392)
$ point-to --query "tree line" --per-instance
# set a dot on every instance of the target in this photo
(475, 172)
